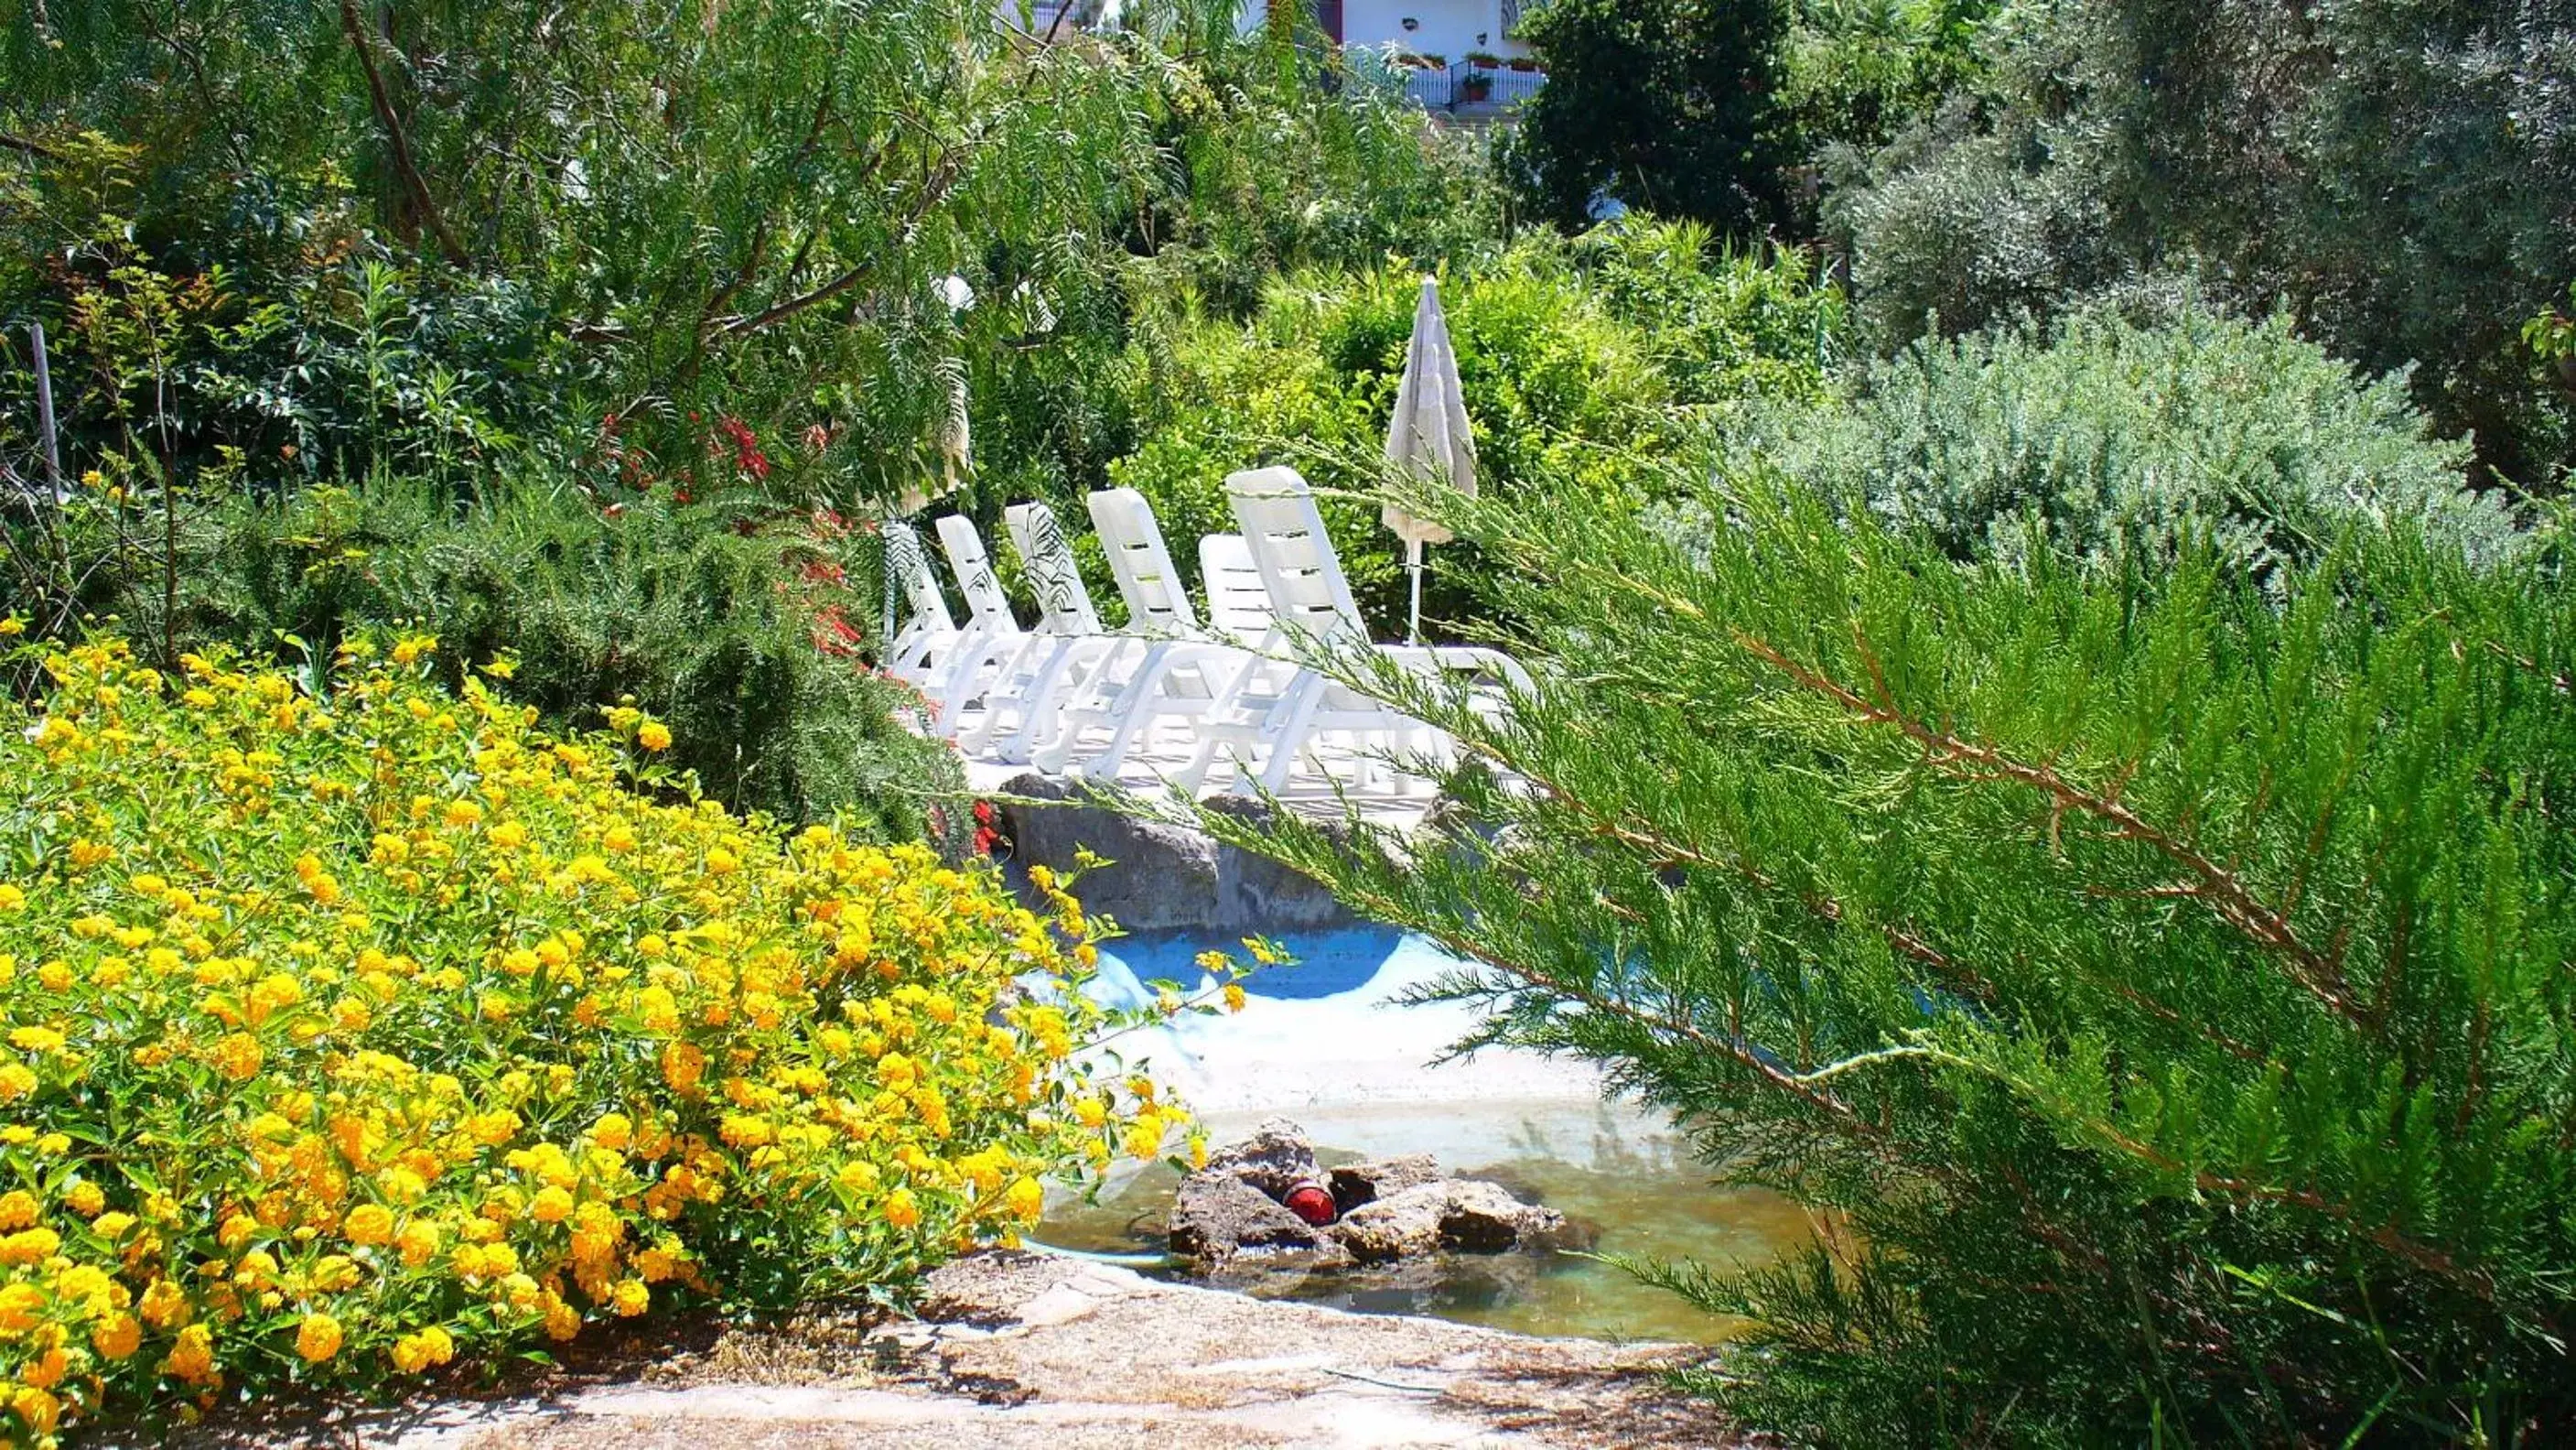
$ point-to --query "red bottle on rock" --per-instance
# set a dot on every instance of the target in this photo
(1312, 1202)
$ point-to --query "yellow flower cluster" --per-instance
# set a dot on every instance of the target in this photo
(346, 1034)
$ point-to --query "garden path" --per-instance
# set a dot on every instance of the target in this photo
(1021, 1352)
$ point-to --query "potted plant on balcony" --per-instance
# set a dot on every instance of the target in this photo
(1522, 63)
(1484, 60)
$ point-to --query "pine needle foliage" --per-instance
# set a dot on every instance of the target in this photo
(2156, 983)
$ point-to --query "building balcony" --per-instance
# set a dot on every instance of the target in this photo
(1469, 88)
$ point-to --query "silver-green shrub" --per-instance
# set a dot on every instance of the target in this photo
(2106, 438)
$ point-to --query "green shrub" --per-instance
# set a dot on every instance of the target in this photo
(2106, 439)
(1724, 324)
(2402, 178)
(1666, 106)
(1855, 72)
(706, 614)
(2155, 984)
(1639, 335)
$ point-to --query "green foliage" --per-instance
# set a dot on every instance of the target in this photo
(462, 228)
(2155, 983)
(1276, 182)
(357, 362)
(1855, 72)
(2550, 337)
(1663, 105)
(500, 263)
(2402, 178)
(1725, 325)
(709, 627)
(2113, 441)
(1639, 335)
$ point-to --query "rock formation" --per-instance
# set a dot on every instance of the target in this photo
(1386, 1212)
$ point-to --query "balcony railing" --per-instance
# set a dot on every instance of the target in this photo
(1459, 86)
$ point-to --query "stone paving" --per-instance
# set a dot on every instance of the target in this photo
(1049, 1353)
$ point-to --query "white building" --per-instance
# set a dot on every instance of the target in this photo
(1450, 29)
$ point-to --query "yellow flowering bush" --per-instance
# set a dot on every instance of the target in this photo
(348, 1034)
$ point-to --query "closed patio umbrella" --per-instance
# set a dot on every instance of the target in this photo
(1428, 436)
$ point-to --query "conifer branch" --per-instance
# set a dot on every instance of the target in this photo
(2211, 884)
(2387, 1235)
(1664, 851)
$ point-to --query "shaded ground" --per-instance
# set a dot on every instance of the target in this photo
(1015, 1350)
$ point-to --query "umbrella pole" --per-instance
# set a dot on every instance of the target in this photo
(1413, 566)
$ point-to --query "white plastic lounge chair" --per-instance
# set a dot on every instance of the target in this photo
(1178, 670)
(1272, 721)
(1238, 602)
(1021, 705)
(992, 637)
(929, 637)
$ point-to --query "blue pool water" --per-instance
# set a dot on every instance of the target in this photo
(1325, 1043)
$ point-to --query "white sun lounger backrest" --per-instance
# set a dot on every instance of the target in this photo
(1053, 576)
(1308, 591)
(912, 573)
(1157, 601)
(1238, 602)
(985, 602)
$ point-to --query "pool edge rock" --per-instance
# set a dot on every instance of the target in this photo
(1163, 877)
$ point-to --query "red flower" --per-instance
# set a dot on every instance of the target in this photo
(746, 446)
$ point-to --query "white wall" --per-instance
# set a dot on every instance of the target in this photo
(1447, 27)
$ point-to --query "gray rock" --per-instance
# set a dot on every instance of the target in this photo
(1217, 1215)
(1451, 1216)
(1276, 1158)
(1391, 1211)
(1356, 1183)
(1162, 877)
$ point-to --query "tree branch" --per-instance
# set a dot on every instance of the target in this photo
(934, 189)
(1660, 848)
(413, 183)
(2216, 887)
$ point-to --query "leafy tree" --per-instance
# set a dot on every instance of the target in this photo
(1855, 72)
(2400, 177)
(2154, 984)
(858, 218)
(1662, 105)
